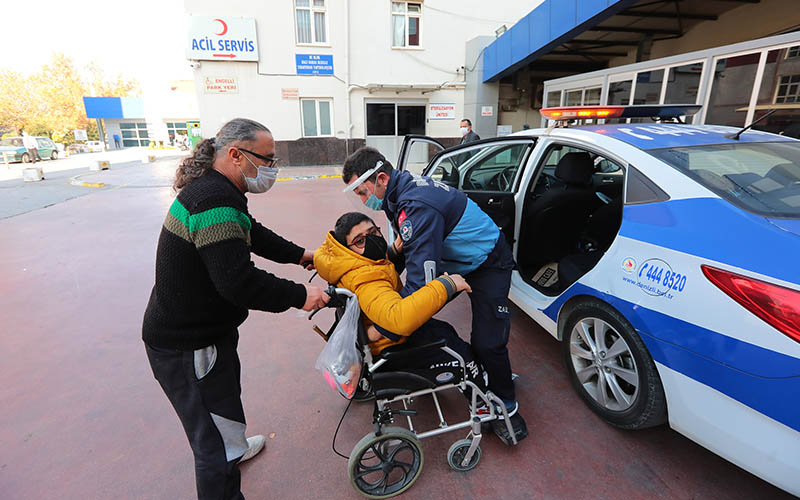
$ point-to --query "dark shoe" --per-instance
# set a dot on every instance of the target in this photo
(517, 423)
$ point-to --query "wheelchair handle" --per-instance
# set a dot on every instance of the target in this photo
(335, 301)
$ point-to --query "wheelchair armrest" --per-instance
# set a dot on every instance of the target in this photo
(407, 353)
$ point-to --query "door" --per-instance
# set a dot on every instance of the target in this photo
(389, 122)
(487, 171)
(45, 147)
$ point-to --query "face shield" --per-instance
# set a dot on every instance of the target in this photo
(355, 199)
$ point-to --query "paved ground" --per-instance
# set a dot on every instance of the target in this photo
(83, 417)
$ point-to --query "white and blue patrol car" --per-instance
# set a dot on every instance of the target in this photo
(666, 259)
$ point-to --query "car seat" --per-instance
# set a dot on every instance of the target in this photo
(555, 220)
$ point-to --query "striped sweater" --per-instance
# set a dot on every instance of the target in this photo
(205, 280)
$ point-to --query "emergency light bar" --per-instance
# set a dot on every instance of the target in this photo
(637, 111)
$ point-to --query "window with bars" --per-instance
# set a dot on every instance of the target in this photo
(406, 22)
(134, 134)
(316, 115)
(310, 21)
(176, 127)
(788, 89)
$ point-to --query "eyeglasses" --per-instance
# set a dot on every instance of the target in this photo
(270, 161)
(361, 240)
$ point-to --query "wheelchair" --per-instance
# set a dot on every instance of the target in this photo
(387, 461)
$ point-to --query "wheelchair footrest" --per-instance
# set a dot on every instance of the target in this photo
(517, 423)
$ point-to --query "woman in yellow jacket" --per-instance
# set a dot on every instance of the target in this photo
(354, 256)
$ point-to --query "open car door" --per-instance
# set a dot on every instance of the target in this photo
(416, 153)
(489, 172)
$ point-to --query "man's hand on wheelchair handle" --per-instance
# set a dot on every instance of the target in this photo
(307, 260)
(316, 298)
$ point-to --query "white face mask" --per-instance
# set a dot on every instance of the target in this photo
(263, 181)
(464, 131)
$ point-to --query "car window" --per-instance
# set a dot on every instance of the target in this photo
(12, 141)
(763, 178)
(43, 143)
(548, 180)
(490, 167)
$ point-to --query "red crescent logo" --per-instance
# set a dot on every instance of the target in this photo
(224, 27)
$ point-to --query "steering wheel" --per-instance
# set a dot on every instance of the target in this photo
(549, 180)
(506, 178)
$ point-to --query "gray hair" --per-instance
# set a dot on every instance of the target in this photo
(202, 158)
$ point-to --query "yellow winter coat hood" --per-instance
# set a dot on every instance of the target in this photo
(376, 284)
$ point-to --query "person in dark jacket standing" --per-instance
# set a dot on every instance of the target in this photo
(467, 135)
(441, 230)
(204, 286)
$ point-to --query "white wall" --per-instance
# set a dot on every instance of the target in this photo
(445, 28)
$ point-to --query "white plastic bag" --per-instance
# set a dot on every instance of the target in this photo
(340, 362)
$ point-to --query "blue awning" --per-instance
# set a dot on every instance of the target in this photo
(546, 27)
(114, 107)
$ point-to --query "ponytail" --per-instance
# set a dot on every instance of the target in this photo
(196, 165)
(202, 158)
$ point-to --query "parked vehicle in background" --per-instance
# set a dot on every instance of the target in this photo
(77, 148)
(15, 151)
(95, 146)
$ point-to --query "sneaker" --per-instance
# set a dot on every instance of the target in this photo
(254, 445)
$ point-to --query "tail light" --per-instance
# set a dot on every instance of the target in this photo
(777, 305)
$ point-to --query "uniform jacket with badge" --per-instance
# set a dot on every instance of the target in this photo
(376, 284)
(441, 228)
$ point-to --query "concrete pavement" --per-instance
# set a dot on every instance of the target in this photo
(83, 417)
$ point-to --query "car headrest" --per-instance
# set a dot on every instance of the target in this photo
(575, 168)
(785, 173)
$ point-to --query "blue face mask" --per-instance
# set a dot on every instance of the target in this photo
(373, 202)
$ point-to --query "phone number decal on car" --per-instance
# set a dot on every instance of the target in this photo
(657, 278)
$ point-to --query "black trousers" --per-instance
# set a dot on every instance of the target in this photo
(34, 154)
(204, 389)
(429, 332)
(491, 321)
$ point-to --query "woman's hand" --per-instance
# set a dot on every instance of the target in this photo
(461, 283)
(373, 334)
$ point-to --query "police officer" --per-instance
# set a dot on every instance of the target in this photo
(441, 230)
(205, 284)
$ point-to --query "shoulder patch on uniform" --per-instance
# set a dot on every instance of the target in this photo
(401, 218)
(406, 230)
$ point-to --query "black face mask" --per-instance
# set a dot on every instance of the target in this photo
(375, 247)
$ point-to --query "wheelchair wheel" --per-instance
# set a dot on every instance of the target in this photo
(386, 465)
(457, 452)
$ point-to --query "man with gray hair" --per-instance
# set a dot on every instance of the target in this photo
(205, 284)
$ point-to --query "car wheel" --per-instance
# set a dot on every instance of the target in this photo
(26, 158)
(54, 155)
(611, 369)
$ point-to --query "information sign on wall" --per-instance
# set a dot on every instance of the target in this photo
(290, 94)
(442, 111)
(314, 64)
(222, 39)
(221, 85)
(487, 110)
(503, 130)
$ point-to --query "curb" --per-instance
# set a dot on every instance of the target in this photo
(75, 182)
(308, 177)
